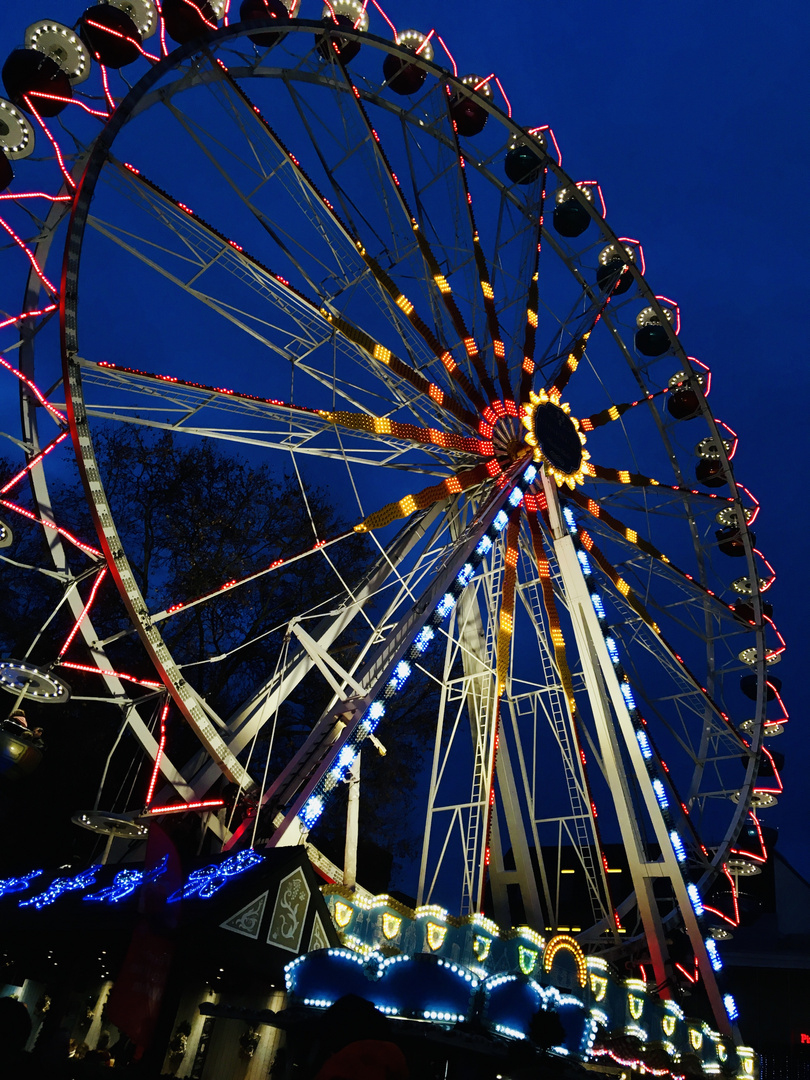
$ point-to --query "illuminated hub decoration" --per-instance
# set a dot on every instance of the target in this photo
(556, 438)
(209, 880)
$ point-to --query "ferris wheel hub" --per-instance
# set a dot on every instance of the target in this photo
(556, 438)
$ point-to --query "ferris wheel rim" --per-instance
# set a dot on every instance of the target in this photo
(174, 57)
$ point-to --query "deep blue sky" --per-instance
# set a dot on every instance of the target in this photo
(692, 118)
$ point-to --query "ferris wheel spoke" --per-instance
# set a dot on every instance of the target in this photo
(331, 225)
(308, 328)
(434, 275)
(632, 539)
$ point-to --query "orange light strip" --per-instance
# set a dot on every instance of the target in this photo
(447, 488)
(380, 425)
(486, 287)
(507, 614)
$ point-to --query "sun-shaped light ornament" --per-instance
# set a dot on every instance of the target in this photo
(556, 439)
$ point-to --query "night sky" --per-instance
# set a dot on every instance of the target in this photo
(688, 115)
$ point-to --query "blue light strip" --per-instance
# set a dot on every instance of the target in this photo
(647, 753)
(209, 880)
(126, 882)
(18, 884)
(314, 806)
(60, 886)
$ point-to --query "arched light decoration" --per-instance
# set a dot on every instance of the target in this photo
(343, 914)
(527, 958)
(62, 45)
(435, 935)
(16, 134)
(556, 438)
(144, 14)
(390, 924)
(350, 9)
(567, 944)
(418, 42)
(481, 946)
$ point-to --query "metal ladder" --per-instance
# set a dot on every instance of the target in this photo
(584, 831)
(481, 687)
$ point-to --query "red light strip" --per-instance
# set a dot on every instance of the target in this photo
(161, 746)
(424, 43)
(782, 645)
(763, 855)
(754, 509)
(275, 565)
(734, 437)
(179, 808)
(393, 28)
(71, 183)
(770, 790)
(31, 258)
(503, 95)
(83, 614)
(55, 528)
(113, 674)
(693, 978)
(55, 413)
(69, 101)
(163, 47)
(764, 586)
(35, 195)
(545, 129)
(33, 462)
(665, 300)
(594, 184)
(449, 54)
(106, 84)
(129, 40)
(639, 248)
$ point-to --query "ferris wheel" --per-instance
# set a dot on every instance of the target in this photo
(312, 239)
